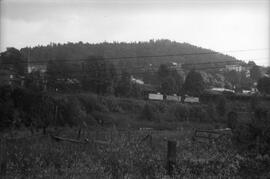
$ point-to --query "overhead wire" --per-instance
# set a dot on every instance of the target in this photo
(192, 64)
(132, 57)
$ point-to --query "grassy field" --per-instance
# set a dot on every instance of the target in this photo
(118, 148)
(115, 153)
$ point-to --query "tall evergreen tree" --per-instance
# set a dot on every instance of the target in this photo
(194, 84)
(264, 85)
(124, 85)
(170, 81)
(255, 73)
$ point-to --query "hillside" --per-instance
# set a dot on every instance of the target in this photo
(170, 51)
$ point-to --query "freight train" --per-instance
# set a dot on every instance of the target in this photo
(162, 97)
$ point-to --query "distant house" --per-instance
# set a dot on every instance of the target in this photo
(40, 80)
(248, 73)
(191, 99)
(11, 78)
(157, 96)
(237, 68)
(222, 90)
(176, 65)
(36, 67)
(173, 98)
(6, 77)
(138, 81)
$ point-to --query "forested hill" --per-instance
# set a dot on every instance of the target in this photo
(77, 51)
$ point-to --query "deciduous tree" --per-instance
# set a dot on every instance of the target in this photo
(264, 85)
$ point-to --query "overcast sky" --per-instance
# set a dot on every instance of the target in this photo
(220, 25)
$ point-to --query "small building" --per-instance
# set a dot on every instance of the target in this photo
(222, 90)
(137, 81)
(36, 67)
(157, 96)
(6, 77)
(191, 99)
(237, 68)
(11, 78)
(248, 73)
(173, 98)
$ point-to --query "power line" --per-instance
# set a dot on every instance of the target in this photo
(107, 79)
(134, 57)
(97, 80)
(186, 66)
(83, 74)
(140, 70)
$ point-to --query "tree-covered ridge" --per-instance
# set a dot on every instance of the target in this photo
(77, 51)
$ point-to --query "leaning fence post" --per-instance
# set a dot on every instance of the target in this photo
(3, 157)
(171, 157)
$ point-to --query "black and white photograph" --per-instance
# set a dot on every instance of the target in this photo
(134, 89)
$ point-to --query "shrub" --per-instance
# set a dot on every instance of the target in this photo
(198, 113)
(211, 112)
(232, 120)
(254, 135)
(6, 115)
(160, 107)
(130, 105)
(112, 105)
(221, 106)
(90, 120)
(181, 112)
(70, 111)
(148, 112)
(89, 102)
(254, 102)
(103, 119)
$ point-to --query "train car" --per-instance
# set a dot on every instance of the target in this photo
(173, 98)
(190, 99)
(153, 96)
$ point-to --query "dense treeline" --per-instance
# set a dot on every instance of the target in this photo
(77, 51)
(67, 71)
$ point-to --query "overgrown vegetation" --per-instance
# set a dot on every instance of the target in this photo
(31, 109)
(131, 153)
(127, 154)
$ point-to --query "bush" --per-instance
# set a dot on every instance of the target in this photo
(112, 105)
(131, 105)
(90, 120)
(70, 111)
(22, 106)
(103, 119)
(232, 120)
(221, 106)
(148, 113)
(254, 135)
(211, 112)
(6, 115)
(198, 113)
(181, 112)
(89, 102)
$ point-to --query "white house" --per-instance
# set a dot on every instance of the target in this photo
(138, 81)
(222, 90)
(36, 67)
(237, 68)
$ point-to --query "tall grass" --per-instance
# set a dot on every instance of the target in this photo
(128, 154)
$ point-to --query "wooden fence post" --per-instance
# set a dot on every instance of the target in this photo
(3, 157)
(171, 157)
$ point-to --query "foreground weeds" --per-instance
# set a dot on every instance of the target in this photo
(125, 154)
